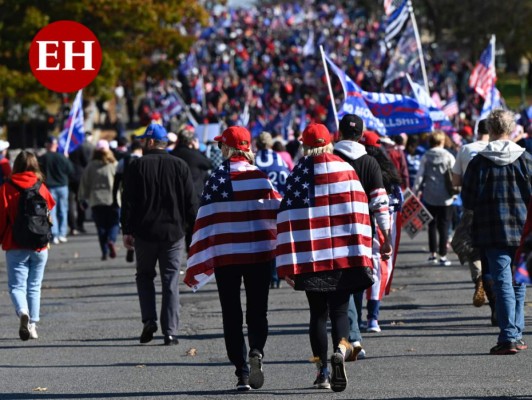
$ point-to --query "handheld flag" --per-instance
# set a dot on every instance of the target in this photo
(399, 14)
(484, 76)
(74, 133)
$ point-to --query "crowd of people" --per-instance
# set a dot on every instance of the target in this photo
(329, 226)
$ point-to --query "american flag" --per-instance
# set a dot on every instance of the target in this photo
(451, 107)
(236, 222)
(74, 133)
(396, 20)
(323, 223)
(484, 75)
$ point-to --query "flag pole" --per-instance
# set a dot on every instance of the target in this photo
(330, 87)
(419, 48)
(71, 127)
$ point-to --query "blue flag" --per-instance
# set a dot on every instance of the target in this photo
(387, 113)
(74, 124)
(493, 101)
(354, 102)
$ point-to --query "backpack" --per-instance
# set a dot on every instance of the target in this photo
(32, 228)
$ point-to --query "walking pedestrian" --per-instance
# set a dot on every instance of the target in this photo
(430, 184)
(96, 190)
(25, 262)
(497, 188)
(234, 239)
(370, 175)
(324, 247)
(158, 201)
(480, 278)
(57, 170)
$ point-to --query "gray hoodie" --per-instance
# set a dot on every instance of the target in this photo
(502, 152)
(430, 179)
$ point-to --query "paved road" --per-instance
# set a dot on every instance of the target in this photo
(434, 343)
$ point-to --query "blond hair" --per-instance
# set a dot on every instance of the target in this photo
(229, 152)
(436, 139)
(500, 122)
(315, 151)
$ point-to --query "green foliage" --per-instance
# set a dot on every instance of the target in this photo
(129, 32)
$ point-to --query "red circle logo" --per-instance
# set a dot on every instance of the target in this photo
(65, 56)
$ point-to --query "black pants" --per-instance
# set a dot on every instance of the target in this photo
(322, 305)
(169, 256)
(257, 285)
(442, 219)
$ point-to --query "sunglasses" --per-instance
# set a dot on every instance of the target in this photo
(220, 145)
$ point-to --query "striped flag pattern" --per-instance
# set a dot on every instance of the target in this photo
(451, 107)
(396, 20)
(323, 223)
(236, 222)
(484, 76)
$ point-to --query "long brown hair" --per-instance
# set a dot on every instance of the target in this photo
(106, 156)
(27, 161)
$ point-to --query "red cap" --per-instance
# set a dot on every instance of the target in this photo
(237, 137)
(370, 138)
(316, 135)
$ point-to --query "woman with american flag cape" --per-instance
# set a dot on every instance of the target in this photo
(234, 239)
(324, 247)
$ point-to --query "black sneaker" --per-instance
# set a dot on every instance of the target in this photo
(505, 348)
(243, 384)
(24, 329)
(323, 381)
(149, 329)
(338, 375)
(256, 374)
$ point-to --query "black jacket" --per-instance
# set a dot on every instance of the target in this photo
(56, 168)
(199, 165)
(159, 201)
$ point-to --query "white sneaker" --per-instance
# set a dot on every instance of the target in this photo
(55, 241)
(33, 331)
(63, 239)
(361, 355)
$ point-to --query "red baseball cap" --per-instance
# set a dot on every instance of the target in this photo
(316, 135)
(237, 137)
(370, 138)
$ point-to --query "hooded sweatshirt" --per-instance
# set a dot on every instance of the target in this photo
(430, 177)
(370, 175)
(497, 187)
(9, 203)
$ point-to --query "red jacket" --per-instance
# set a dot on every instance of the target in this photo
(9, 199)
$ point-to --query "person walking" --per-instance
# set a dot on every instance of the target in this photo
(370, 175)
(430, 184)
(234, 240)
(325, 209)
(158, 201)
(5, 167)
(25, 262)
(272, 164)
(57, 170)
(496, 187)
(462, 234)
(96, 190)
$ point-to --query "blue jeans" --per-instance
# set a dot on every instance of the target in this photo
(60, 211)
(352, 315)
(107, 220)
(510, 304)
(25, 270)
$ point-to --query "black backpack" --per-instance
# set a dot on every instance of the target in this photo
(32, 228)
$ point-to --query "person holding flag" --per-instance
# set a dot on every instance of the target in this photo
(324, 247)
(234, 239)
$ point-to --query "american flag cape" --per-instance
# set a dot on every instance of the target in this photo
(383, 270)
(323, 223)
(484, 76)
(236, 222)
